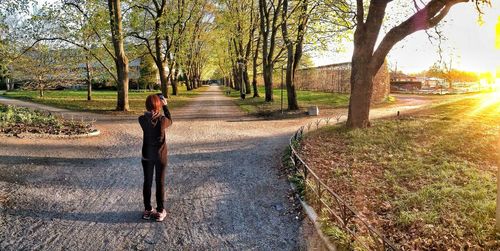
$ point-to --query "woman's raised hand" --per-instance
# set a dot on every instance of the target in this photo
(164, 101)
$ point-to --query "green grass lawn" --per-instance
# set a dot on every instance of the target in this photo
(425, 180)
(102, 101)
(304, 98)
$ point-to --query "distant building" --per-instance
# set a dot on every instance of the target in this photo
(432, 82)
(403, 82)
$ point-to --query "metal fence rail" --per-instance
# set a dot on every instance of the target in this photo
(324, 200)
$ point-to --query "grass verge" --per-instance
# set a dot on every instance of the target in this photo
(426, 181)
(258, 106)
(102, 101)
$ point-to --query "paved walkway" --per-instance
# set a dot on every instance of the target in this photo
(224, 190)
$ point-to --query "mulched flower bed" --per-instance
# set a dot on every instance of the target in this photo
(16, 120)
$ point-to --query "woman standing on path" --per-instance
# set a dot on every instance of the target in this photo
(154, 153)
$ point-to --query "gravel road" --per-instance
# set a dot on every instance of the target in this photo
(224, 188)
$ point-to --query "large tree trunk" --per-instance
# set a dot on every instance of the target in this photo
(366, 60)
(361, 89)
(121, 60)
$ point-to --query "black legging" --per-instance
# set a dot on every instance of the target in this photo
(149, 167)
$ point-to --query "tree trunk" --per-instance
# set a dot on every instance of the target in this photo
(9, 86)
(195, 83)
(173, 80)
(366, 58)
(255, 88)
(40, 89)
(268, 82)
(290, 64)
(231, 82)
(175, 88)
(189, 84)
(269, 26)
(121, 60)
(89, 79)
(361, 90)
(290, 86)
(122, 69)
(236, 79)
(242, 81)
(160, 63)
(163, 79)
(246, 79)
(254, 68)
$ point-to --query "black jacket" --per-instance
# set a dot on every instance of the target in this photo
(154, 145)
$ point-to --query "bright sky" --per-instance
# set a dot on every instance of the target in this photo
(470, 46)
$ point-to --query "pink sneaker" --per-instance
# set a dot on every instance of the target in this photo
(147, 214)
(160, 216)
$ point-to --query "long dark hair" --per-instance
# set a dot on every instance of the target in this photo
(153, 105)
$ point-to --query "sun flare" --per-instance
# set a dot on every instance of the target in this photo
(490, 102)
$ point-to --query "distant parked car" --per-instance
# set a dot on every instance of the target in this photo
(59, 88)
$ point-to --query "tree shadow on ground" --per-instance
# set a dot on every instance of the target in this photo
(115, 217)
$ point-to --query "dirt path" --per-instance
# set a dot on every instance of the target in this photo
(224, 190)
